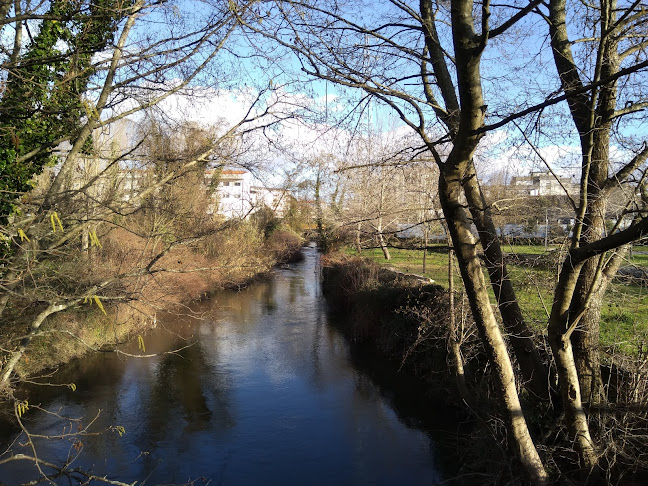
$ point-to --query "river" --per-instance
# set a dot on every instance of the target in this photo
(267, 392)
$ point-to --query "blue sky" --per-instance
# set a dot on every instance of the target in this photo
(517, 71)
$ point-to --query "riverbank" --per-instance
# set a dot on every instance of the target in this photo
(403, 319)
(409, 323)
(231, 259)
(382, 308)
(624, 314)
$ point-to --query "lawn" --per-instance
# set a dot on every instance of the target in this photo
(624, 317)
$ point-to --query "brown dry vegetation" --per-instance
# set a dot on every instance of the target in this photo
(124, 257)
(230, 257)
(381, 309)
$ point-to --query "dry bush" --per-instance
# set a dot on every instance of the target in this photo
(184, 272)
(238, 252)
(284, 245)
(622, 422)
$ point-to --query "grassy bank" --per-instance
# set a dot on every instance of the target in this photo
(410, 325)
(624, 319)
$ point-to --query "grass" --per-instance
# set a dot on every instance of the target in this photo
(624, 314)
(640, 260)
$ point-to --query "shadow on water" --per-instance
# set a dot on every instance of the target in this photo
(267, 391)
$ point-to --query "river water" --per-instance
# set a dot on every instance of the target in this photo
(267, 392)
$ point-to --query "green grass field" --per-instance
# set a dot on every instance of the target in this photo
(624, 317)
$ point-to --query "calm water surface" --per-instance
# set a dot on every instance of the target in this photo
(266, 393)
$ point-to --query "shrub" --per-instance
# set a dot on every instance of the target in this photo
(284, 245)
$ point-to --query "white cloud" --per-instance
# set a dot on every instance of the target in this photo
(207, 106)
(499, 153)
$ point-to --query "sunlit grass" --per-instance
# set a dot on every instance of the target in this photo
(624, 314)
(639, 259)
(411, 261)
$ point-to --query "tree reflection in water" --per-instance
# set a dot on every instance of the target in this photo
(268, 393)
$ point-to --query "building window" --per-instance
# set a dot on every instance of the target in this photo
(226, 183)
(237, 183)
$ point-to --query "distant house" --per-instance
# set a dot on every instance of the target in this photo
(131, 182)
(278, 200)
(544, 184)
(237, 197)
(233, 193)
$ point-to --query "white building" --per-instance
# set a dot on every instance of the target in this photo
(233, 193)
(237, 197)
(544, 184)
(278, 200)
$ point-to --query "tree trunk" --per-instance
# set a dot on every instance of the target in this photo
(491, 336)
(381, 240)
(358, 244)
(559, 334)
(592, 114)
(322, 243)
(586, 337)
(534, 373)
(463, 123)
(425, 247)
(9, 281)
(455, 335)
(18, 353)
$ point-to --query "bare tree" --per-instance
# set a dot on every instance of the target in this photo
(406, 44)
(613, 37)
(427, 63)
(52, 255)
(387, 193)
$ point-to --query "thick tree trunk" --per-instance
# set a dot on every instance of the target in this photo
(592, 114)
(586, 337)
(559, 333)
(534, 373)
(570, 393)
(491, 336)
(463, 121)
(585, 342)
(592, 283)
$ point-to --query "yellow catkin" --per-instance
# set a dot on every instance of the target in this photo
(99, 304)
(140, 342)
(22, 235)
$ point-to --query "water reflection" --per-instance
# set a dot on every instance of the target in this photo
(267, 392)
